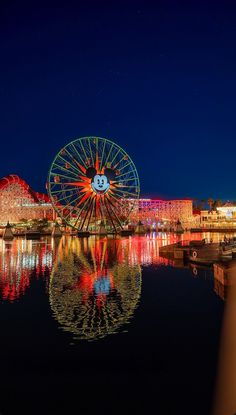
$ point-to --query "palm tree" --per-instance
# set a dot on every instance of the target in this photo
(210, 202)
(199, 204)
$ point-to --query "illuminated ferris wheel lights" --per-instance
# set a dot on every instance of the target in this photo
(94, 180)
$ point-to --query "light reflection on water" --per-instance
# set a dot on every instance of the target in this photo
(94, 287)
(19, 260)
(22, 259)
(94, 284)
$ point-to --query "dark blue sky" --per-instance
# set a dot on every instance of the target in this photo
(159, 79)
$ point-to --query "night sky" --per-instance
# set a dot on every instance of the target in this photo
(159, 79)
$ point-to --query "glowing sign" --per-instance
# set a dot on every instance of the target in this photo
(100, 182)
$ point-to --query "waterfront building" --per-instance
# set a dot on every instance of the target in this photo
(223, 217)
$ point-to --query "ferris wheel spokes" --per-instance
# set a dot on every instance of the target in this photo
(91, 182)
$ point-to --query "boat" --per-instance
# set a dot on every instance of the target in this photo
(210, 253)
(126, 232)
(83, 234)
(32, 234)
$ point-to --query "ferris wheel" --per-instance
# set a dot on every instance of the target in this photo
(93, 184)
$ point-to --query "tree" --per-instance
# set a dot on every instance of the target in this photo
(23, 220)
(39, 224)
(210, 202)
(218, 203)
(198, 204)
(42, 224)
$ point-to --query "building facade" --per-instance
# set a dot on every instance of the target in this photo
(157, 212)
(223, 217)
(18, 202)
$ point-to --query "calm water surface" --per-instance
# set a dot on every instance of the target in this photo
(105, 325)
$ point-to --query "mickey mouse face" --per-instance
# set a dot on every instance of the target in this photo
(100, 184)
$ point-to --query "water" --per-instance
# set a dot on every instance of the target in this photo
(105, 325)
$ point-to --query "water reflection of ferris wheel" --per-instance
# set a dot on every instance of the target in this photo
(93, 289)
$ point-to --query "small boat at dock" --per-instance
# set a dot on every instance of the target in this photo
(83, 234)
(32, 234)
(210, 253)
(200, 251)
(126, 232)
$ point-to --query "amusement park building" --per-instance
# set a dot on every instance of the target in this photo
(18, 201)
(151, 211)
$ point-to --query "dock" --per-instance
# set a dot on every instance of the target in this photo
(199, 251)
